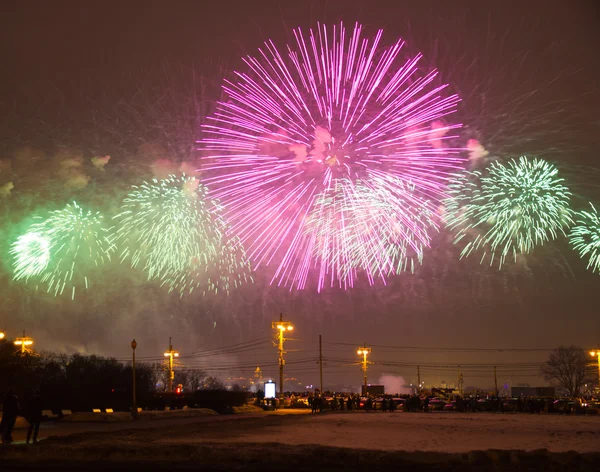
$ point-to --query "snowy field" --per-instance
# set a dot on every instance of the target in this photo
(443, 431)
(337, 441)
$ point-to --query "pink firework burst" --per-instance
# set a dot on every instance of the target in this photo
(303, 130)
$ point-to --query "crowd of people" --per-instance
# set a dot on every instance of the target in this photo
(414, 403)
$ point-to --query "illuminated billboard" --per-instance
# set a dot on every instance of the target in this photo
(270, 390)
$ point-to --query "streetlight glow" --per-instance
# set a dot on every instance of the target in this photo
(364, 351)
(24, 342)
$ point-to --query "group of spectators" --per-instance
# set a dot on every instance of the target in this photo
(349, 403)
(414, 403)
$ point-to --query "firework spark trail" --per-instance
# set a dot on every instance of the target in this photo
(174, 232)
(585, 237)
(512, 209)
(60, 250)
(334, 107)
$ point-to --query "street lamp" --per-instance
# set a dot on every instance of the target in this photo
(364, 351)
(171, 354)
(24, 342)
(597, 355)
(281, 327)
(134, 405)
(1, 335)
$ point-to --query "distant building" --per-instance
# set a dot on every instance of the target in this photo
(532, 392)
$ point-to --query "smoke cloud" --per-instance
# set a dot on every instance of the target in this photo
(394, 384)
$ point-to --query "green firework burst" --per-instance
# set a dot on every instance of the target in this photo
(172, 231)
(585, 237)
(512, 209)
(60, 251)
(31, 252)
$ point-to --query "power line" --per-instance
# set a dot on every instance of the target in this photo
(446, 349)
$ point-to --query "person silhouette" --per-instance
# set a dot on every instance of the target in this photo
(10, 410)
(34, 412)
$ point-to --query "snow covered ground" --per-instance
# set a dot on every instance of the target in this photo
(337, 441)
(442, 432)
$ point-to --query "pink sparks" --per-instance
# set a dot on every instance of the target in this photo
(330, 156)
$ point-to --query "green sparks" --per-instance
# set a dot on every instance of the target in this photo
(510, 210)
(31, 253)
(59, 251)
(171, 230)
(585, 237)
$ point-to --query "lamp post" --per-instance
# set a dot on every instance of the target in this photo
(171, 354)
(364, 351)
(134, 405)
(597, 355)
(1, 335)
(24, 342)
(281, 327)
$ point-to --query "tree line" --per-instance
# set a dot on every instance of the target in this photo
(83, 382)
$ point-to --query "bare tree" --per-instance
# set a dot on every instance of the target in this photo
(569, 367)
(196, 379)
(212, 383)
(160, 375)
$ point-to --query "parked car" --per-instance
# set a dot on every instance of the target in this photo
(437, 404)
(590, 408)
(565, 404)
(399, 402)
(484, 404)
(451, 406)
(511, 404)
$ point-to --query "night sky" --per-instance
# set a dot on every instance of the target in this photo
(528, 76)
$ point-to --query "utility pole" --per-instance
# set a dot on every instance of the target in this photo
(419, 377)
(597, 354)
(321, 364)
(134, 404)
(171, 354)
(460, 382)
(496, 381)
(281, 327)
(364, 351)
